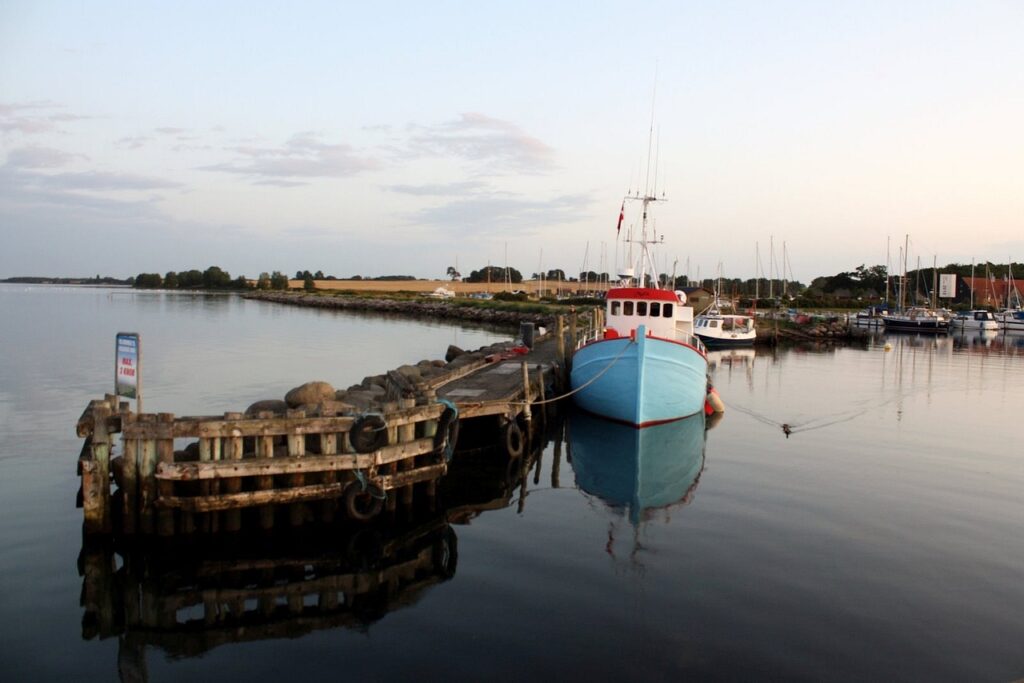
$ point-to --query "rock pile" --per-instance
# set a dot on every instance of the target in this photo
(430, 309)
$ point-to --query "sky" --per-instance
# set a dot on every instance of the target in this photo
(406, 137)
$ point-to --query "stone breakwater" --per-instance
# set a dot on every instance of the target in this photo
(435, 310)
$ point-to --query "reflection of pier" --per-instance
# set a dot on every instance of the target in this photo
(189, 597)
(188, 603)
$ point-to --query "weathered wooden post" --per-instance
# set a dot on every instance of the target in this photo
(96, 474)
(392, 431)
(573, 329)
(234, 447)
(542, 394)
(165, 488)
(147, 474)
(407, 433)
(526, 406)
(129, 480)
(296, 449)
(562, 366)
(328, 447)
(556, 458)
(265, 451)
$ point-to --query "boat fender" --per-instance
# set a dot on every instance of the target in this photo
(515, 442)
(368, 433)
(363, 502)
(610, 333)
(447, 433)
(715, 401)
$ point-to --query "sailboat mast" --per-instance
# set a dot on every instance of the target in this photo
(757, 280)
(935, 279)
(887, 269)
(972, 283)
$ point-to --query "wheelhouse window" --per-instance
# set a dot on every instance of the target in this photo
(641, 308)
(627, 308)
(713, 323)
(666, 311)
(614, 307)
(655, 309)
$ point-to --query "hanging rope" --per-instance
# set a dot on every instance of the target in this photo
(582, 386)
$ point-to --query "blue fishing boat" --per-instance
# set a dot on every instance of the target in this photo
(645, 366)
(637, 470)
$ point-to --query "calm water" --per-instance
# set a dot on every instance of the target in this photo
(883, 538)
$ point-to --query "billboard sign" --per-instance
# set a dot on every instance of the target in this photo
(947, 286)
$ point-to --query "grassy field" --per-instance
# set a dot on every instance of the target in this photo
(427, 286)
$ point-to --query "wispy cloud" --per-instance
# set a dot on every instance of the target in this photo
(488, 215)
(168, 130)
(32, 118)
(457, 189)
(132, 141)
(305, 155)
(39, 157)
(478, 138)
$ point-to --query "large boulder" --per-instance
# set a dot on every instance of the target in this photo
(452, 353)
(272, 405)
(310, 392)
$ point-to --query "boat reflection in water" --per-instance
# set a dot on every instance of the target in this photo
(637, 470)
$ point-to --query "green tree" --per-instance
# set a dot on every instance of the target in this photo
(263, 282)
(278, 280)
(307, 282)
(148, 281)
(171, 280)
(215, 278)
(494, 274)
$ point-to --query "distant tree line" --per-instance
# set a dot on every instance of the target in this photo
(211, 278)
(495, 274)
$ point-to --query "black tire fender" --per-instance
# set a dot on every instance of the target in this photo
(513, 439)
(368, 433)
(363, 504)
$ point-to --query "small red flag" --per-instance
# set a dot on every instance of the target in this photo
(622, 214)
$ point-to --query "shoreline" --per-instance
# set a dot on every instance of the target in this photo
(436, 310)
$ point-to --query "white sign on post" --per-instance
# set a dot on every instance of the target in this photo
(127, 369)
(947, 286)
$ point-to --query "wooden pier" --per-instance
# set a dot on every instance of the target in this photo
(187, 596)
(371, 448)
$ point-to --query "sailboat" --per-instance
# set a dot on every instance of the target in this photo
(646, 366)
(916, 318)
(1011, 319)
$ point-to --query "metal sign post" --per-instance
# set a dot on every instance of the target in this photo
(128, 367)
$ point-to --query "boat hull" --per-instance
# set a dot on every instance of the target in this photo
(640, 382)
(931, 326)
(726, 342)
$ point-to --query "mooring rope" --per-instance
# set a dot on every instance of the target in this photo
(580, 387)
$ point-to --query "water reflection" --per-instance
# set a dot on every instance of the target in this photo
(637, 471)
(190, 599)
(187, 596)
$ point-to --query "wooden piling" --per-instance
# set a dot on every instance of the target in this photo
(96, 476)
(296, 449)
(233, 450)
(265, 449)
(130, 485)
(526, 406)
(407, 433)
(147, 480)
(165, 454)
